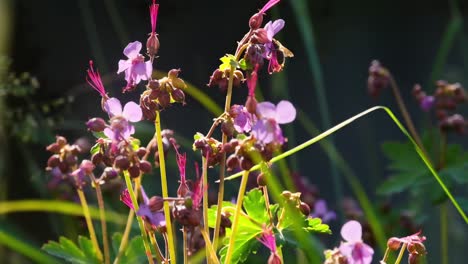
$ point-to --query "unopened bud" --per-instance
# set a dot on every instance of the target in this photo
(53, 161)
(110, 173)
(246, 163)
(251, 105)
(87, 166)
(232, 162)
(260, 36)
(153, 84)
(164, 99)
(174, 73)
(304, 208)
(152, 45)
(141, 152)
(178, 95)
(54, 148)
(261, 181)
(393, 243)
(96, 124)
(145, 166)
(134, 171)
(61, 141)
(156, 203)
(228, 127)
(256, 21)
(121, 162)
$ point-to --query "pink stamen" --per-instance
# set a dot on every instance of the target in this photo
(268, 240)
(125, 198)
(181, 161)
(94, 79)
(154, 16)
(268, 5)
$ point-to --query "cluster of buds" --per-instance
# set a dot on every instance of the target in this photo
(220, 78)
(160, 94)
(63, 163)
(445, 101)
(413, 243)
(210, 148)
(243, 153)
(123, 157)
(379, 78)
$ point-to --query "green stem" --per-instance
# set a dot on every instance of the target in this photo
(162, 169)
(128, 182)
(155, 245)
(222, 166)
(349, 121)
(385, 257)
(89, 222)
(185, 246)
(400, 255)
(102, 211)
(212, 254)
(237, 214)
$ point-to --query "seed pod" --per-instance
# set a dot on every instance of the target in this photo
(393, 243)
(96, 124)
(261, 181)
(304, 208)
(53, 161)
(155, 203)
(54, 148)
(134, 171)
(121, 162)
(145, 166)
(152, 45)
(178, 95)
(256, 21)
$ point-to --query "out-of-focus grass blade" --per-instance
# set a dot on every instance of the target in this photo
(10, 241)
(305, 25)
(349, 121)
(350, 176)
(62, 207)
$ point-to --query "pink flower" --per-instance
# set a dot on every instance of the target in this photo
(135, 67)
(271, 53)
(267, 128)
(354, 249)
(94, 79)
(120, 127)
(268, 240)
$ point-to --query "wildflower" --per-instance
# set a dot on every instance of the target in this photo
(321, 211)
(272, 51)
(267, 129)
(427, 103)
(354, 249)
(242, 118)
(120, 128)
(135, 67)
(154, 217)
(269, 241)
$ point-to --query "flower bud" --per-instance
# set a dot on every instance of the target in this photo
(261, 181)
(61, 141)
(134, 171)
(145, 166)
(121, 162)
(54, 148)
(96, 124)
(260, 36)
(393, 243)
(155, 203)
(152, 45)
(174, 73)
(164, 99)
(178, 95)
(251, 105)
(87, 166)
(110, 173)
(153, 84)
(413, 259)
(304, 208)
(228, 127)
(232, 162)
(53, 161)
(246, 163)
(141, 152)
(256, 21)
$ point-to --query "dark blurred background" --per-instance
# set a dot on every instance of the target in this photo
(54, 40)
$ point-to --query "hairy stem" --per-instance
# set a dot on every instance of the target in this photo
(128, 181)
(102, 214)
(237, 215)
(89, 222)
(165, 193)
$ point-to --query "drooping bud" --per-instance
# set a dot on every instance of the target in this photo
(178, 95)
(393, 243)
(256, 21)
(145, 166)
(156, 203)
(96, 124)
(251, 104)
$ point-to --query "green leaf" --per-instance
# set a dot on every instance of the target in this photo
(135, 144)
(245, 65)
(99, 134)
(315, 225)
(95, 149)
(116, 240)
(227, 61)
(254, 205)
(70, 252)
(401, 181)
(135, 251)
(402, 157)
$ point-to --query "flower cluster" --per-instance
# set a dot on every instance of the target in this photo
(445, 101)
(414, 245)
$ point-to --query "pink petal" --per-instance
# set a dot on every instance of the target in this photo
(285, 112)
(352, 231)
(132, 112)
(113, 107)
(149, 69)
(109, 133)
(123, 65)
(133, 49)
(266, 110)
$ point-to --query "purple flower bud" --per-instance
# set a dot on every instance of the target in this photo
(87, 166)
(427, 103)
(256, 21)
(96, 124)
(110, 173)
(53, 161)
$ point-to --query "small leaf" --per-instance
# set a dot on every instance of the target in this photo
(135, 144)
(99, 134)
(68, 251)
(227, 61)
(88, 249)
(95, 149)
(401, 181)
(255, 207)
(315, 225)
(245, 65)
